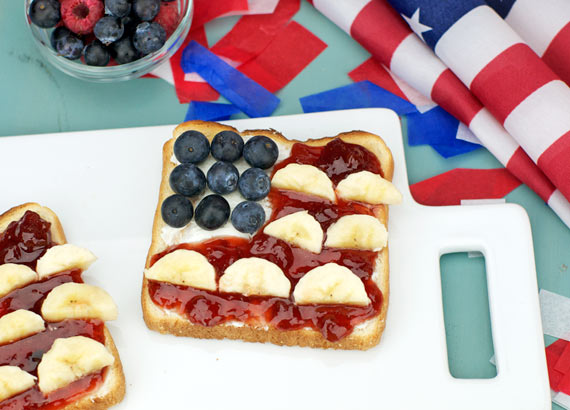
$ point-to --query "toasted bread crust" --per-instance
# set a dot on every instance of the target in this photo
(112, 390)
(156, 318)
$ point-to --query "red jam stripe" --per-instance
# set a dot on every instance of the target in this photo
(31, 296)
(26, 353)
(34, 399)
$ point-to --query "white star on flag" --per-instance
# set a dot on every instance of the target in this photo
(415, 25)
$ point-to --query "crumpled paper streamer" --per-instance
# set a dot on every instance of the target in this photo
(363, 94)
(208, 10)
(243, 92)
(208, 111)
(563, 400)
(438, 129)
(292, 49)
(558, 364)
(376, 73)
(555, 313)
(452, 186)
(252, 34)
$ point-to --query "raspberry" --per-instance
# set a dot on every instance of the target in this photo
(168, 17)
(80, 16)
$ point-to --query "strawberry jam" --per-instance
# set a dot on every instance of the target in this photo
(24, 242)
(335, 321)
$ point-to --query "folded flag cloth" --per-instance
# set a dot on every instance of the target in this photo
(380, 30)
(544, 26)
(491, 59)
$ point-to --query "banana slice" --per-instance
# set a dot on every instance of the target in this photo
(304, 178)
(69, 360)
(20, 324)
(357, 232)
(184, 267)
(78, 301)
(368, 187)
(299, 229)
(13, 381)
(255, 276)
(64, 257)
(14, 276)
(330, 283)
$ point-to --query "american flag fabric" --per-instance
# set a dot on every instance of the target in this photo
(382, 31)
(544, 26)
(492, 60)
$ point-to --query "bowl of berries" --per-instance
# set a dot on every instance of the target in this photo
(108, 40)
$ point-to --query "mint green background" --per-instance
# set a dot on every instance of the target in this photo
(36, 98)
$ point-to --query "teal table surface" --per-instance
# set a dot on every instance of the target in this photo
(36, 98)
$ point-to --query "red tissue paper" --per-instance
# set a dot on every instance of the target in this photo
(207, 10)
(375, 72)
(452, 186)
(251, 34)
(284, 58)
(558, 362)
(191, 90)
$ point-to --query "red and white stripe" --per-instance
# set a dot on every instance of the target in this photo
(545, 27)
(531, 102)
(379, 29)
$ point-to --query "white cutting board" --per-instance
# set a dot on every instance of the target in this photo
(104, 186)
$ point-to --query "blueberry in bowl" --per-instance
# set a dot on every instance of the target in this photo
(162, 27)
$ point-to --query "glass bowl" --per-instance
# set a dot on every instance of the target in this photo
(121, 72)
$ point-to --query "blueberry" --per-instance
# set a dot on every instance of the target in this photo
(191, 146)
(248, 217)
(254, 184)
(69, 46)
(123, 51)
(57, 34)
(108, 29)
(130, 24)
(227, 146)
(146, 10)
(187, 180)
(45, 13)
(118, 8)
(177, 211)
(260, 152)
(149, 37)
(212, 212)
(223, 177)
(96, 54)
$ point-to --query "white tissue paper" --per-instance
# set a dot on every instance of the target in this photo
(555, 312)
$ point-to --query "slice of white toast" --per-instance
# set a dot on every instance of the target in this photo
(112, 389)
(363, 336)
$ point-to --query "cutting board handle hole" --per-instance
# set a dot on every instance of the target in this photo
(466, 315)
